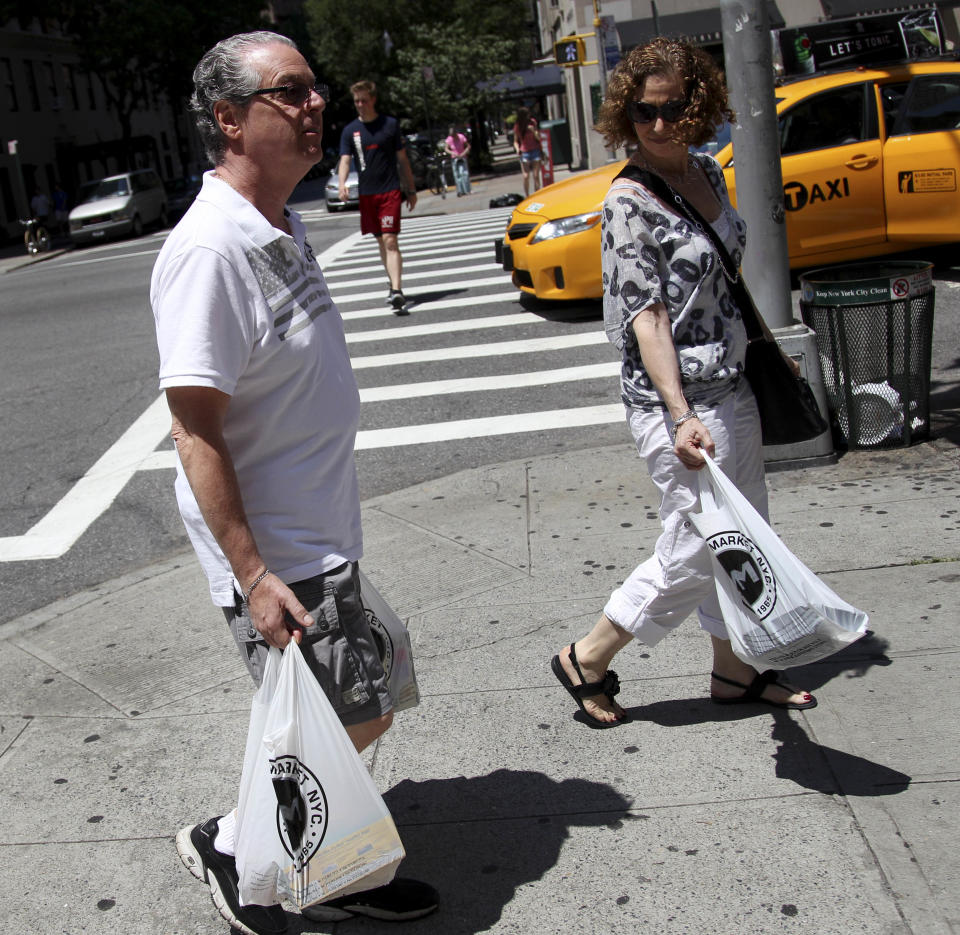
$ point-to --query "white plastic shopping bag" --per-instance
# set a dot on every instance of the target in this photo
(393, 640)
(778, 613)
(311, 824)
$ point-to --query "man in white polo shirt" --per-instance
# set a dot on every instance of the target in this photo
(265, 408)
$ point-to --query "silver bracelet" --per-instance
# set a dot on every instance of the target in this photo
(686, 417)
(263, 574)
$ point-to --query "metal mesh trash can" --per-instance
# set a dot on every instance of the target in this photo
(874, 332)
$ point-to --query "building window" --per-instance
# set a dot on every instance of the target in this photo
(32, 84)
(6, 193)
(50, 82)
(6, 76)
(70, 83)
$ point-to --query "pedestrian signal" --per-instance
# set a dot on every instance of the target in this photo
(569, 51)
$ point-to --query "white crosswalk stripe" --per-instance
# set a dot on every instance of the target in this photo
(445, 279)
(436, 257)
(496, 279)
(461, 352)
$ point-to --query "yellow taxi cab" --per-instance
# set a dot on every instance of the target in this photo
(869, 158)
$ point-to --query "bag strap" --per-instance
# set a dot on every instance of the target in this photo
(748, 309)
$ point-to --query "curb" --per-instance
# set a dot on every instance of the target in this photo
(20, 262)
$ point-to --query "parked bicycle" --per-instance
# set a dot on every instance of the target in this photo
(439, 168)
(36, 237)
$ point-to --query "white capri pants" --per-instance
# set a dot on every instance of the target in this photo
(664, 590)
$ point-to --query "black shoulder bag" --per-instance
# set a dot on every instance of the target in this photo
(788, 409)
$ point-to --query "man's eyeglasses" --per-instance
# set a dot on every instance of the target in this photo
(642, 112)
(296, 94)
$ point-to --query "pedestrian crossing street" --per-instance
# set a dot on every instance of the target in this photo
(469, 361)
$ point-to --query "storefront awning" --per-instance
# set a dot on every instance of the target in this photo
(533, 82)
(836, 9)
(701, 27)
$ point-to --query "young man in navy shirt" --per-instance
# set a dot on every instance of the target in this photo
(375, 143)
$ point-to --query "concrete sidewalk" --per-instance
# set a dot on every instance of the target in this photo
(124, 712)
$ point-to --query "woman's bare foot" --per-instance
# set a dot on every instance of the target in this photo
(731, 667)
(778, 693)
(599, 707)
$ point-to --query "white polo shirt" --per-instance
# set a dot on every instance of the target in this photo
(243, 307)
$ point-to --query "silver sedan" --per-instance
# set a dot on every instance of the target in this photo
(332, 192)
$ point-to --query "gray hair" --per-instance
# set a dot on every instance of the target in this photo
(224, 74)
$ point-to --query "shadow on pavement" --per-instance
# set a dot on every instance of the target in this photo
(557, 310)
(824, 769)
(798, 758)
(415, 297)
(945, 409)
(855, 660)
(478, 839)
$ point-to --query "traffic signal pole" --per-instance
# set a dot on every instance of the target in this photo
(749, 67)
(766, 266)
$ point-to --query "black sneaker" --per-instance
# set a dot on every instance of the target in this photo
(389, 299)
(398, 901)
(196, 850)
(399, 302)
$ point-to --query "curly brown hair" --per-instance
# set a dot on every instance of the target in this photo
(702, 79)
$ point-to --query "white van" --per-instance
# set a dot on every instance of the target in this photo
(118, 205)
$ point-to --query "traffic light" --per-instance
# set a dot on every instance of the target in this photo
(569, 51)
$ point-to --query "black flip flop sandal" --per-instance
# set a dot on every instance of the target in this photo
(754, 691)
(608, 686)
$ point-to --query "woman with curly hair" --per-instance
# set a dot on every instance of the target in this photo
(668, 307)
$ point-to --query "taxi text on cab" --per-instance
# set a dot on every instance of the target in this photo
(869, 159)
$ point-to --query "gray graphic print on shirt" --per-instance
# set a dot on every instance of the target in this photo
(292, 287)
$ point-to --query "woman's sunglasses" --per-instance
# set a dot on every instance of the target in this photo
(642, 112)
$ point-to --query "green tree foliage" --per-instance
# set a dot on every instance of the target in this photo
(390, 41)
(440, 78)
(352, 42)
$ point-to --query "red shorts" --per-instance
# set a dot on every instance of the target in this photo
(380, 214)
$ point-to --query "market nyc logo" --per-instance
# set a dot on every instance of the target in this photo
(748, 570)
(301, 809)
(381, 637)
